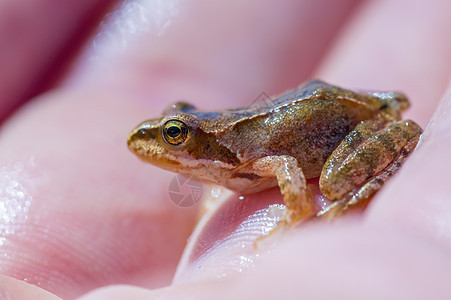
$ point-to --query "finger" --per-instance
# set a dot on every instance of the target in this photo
(38, 38)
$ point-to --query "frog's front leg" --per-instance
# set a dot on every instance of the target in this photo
(367, 158)
(292, 184)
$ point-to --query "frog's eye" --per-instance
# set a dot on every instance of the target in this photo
(175, 132)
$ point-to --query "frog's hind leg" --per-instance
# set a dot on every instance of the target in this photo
(355, 174)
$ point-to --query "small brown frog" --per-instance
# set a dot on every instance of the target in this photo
(352, 141)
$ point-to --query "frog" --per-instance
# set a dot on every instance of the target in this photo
(353, 141)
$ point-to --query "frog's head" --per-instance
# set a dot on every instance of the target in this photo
(177, 143)
(164, 142)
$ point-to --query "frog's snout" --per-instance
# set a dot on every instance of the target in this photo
(138, 134)
(141, 134)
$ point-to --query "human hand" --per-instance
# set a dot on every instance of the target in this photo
(98, 216)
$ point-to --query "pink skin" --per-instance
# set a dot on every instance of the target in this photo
(97, 216)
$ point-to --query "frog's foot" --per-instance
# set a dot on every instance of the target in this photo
(364, 170)
(292, 184)
(299, 206)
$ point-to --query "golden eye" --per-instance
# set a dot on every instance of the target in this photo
(175, 132)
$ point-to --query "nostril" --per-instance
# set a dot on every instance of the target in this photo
(137, 135)
(142, 133)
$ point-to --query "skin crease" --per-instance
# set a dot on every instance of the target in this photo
(93, 202)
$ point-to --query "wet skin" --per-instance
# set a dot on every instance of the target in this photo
(354, 142)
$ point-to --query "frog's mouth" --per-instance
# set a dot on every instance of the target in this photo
(150, 152)
(146, 144)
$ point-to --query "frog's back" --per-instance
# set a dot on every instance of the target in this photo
(307, 123)
(392, 102)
